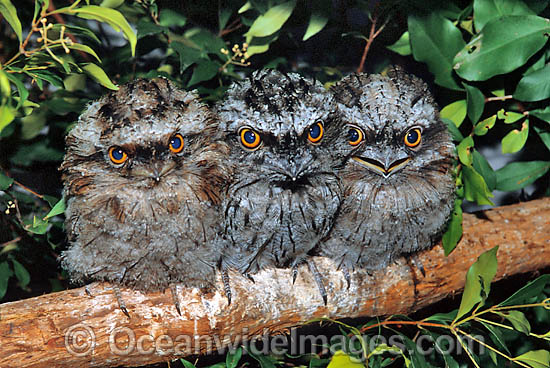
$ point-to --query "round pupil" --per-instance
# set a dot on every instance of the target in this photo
(412, 136)
(353, 135)
(118, 154)
(249, 137)
(175, 142)
(315, 131)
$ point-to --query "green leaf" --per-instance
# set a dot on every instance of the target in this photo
(188, 55)
(186, 363)
(58, 209)
(464, 150)
(342, 360)
(517, 319)
(402, 46)
(223, 17)
(21, 89)
(111, 3)
(515, 140)
(7, 114)
(496, 336)
(5, 182)
(247, 6)
(270, 22)
(110, 16)
(39, 152)
(5, 274)
(147, 28)
(534, 86)
(84, 48)
(170, 18)
(205, 70)
(475, 188)
(517, 175)
(232, 358)
(486, 10)
(542, 114)
(456, 112)
(535, 358)
(21, 273)
(454, 230)
(451, 127)
(509, 117)
(544, 136)
(317, 22)
(9, 12)
(263, 360)
(38, 226)
(483, 126)
(435, 41)
(532, 289)
(503, 45)
(482, 166)
(99, 76)
(476, 102)
(33, 124)
(478, 281)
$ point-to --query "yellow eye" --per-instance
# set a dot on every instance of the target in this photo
(315, 132)
(176, 143)
(117, 155)
(355, 136)
(249, 138)
(413, 137)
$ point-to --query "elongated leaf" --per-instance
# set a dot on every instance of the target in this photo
(21, 89)
(486, 10)
(402, 46)
(482, 166)
(515, 140)
(99, 76)
(9, 12)
(478, 281)
(476, 102)
(7, 114)
(342, 360)
(232, 358)
(475, 188)
(170, 18)
(483, 126)
(109, 16)
(535, 358)
(317, 22)
(497, 337)
(5, 274)
(517, 319)
(534, 86)
(205, 70)
(454, 230)
(509, 117)
(542, 114)
(532, 289)
(503, 45)
(517, 175)
(21, 273)
(544, 136)
(451, 127)
(456, 112)
(435, 41)
(270, 22)
(464, 150)
(188, 55)
(57, 209)
(5, 182)
(84, 48)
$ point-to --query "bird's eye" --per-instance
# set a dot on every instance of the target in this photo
(315, 132)
(249, 138)
(117, 155)
(355, 136)
(413, 137)
(176, 143)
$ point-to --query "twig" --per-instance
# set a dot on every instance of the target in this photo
(233, 26)
(498, 98)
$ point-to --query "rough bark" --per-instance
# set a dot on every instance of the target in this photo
(55, 329)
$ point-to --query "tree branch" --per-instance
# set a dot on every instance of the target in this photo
(51, 330)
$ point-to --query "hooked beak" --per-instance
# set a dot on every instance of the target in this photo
(156, 172)
(382, 169)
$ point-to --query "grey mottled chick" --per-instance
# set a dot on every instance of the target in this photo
(399, 181)
(143, 176)
(286, 141)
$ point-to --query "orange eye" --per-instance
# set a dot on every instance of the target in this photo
(117, 155)
(176, 143)
(413, 137)
(315, 132)
(249, 138)
(355, 136)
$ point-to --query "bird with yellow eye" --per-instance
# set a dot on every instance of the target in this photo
(286, 141)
